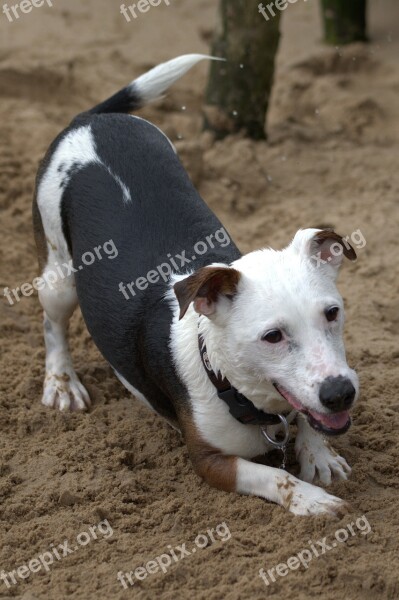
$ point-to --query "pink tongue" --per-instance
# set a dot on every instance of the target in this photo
(336, 421)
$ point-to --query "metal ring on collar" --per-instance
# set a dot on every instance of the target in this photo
(278, 443)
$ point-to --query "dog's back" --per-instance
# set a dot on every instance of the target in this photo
(139, 196)
(114, 178)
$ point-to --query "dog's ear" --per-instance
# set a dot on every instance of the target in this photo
(324, 248)
(204, 287)
(331, 247)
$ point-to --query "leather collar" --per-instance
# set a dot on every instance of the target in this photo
(240, 407)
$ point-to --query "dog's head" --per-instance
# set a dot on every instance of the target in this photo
(277, 318)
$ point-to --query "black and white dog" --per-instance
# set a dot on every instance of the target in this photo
(228, 351)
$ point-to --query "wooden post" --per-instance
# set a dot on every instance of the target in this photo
(239, 89)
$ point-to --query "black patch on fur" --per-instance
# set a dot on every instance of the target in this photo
(68, 174)
(165, 216)
(124, 101)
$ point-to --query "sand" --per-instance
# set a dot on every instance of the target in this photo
(331, 159)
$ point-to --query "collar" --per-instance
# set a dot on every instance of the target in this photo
(240, 407)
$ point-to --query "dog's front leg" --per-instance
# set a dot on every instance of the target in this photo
(317, 458)
(297, 496)
(234, 474)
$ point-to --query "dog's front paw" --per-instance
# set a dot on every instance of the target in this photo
(320, 462)
(64, 391)
(309, 499)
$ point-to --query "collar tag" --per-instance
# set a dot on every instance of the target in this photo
(277, 443)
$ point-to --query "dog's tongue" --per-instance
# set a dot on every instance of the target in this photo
(335, 421)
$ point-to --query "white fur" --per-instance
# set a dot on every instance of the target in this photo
(211, 415)
(317, 458)
(279, 290)
(276, 290)
(77, 147)
(125, 190)
(151, 85)
(62, 388)
(297, 496)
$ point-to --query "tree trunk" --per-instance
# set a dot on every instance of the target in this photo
(344, 21)
(239, 89)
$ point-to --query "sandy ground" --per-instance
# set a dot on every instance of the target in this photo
(331, 159)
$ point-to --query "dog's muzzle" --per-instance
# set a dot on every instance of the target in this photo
(334, 423)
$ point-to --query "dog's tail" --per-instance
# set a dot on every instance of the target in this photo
(150, 86)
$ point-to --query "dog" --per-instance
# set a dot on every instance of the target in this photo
(227, 348)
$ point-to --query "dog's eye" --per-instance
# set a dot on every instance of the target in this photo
(332, 313)
(273, 337)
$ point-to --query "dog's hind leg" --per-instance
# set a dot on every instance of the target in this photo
(57, 295)
(62, 388)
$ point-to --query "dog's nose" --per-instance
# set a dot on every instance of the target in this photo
(337, 393)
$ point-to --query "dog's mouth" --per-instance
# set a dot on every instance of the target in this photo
(329, 424)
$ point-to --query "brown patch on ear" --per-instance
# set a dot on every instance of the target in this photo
(209, 283)
(217, 469)
(329, 234)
